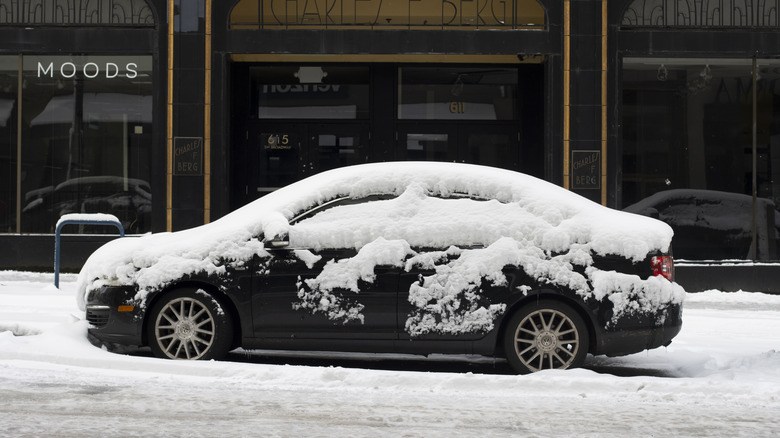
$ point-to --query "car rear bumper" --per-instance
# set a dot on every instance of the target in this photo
(636, 333)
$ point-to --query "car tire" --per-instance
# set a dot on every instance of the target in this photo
(545, 334)
(189, 324)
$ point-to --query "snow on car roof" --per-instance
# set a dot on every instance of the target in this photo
(554, 218)
(565, 216)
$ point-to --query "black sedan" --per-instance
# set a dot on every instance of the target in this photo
(396, 257)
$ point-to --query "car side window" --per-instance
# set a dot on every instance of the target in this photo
(421, 220)
(337, 202)
(336, 224)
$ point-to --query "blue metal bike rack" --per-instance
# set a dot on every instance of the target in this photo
(80, 219)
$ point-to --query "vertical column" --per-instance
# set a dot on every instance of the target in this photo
(604, 126)
(19, 131)
(585, 66)
(207, 116)
(169, 125)
(189, 108)
(566, 93)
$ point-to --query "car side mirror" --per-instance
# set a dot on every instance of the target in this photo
(277, 242)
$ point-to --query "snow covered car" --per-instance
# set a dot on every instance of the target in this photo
(713, 225)
(405, 257)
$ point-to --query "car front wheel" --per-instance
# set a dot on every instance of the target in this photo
(187, 324)
(545, 335)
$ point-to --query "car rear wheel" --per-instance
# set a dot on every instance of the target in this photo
(545, 335)
(188, 324)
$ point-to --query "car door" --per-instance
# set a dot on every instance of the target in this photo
(297, 293)
(419, 324)
(453, 298)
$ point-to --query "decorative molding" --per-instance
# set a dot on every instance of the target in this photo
(388, 14)
(76, 13)
(701, 14)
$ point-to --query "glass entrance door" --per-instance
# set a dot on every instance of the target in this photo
(495, 146)
(280, 154)
(337, 145)
(459, 113)
(490, 146)
(300, 119)
(427, 143)
(278, 157)
(294, 120)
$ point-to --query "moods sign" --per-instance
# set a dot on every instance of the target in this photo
(108, 70)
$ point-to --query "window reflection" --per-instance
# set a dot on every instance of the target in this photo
(490, 149)
(688, 153)
(311, 92)
(9, 67)
(428, 147)
(86, 140)
(339, 150)
(714, 225)
(279, 156)
(457, 93)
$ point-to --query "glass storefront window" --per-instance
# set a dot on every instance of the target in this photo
(426, 93)
(311, 92)
(9, 79)
(339, 149)
(494, 149)
(688, 155)
(85, 136)
(427, 147)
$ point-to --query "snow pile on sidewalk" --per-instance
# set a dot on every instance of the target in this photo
(718, 378)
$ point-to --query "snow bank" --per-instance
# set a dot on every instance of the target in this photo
(718, 378)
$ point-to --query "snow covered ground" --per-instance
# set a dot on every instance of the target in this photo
(720, 377)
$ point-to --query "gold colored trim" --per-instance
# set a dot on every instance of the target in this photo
(566, 92)
(207, 119)
(19, 125)
(604, 133)
(414, 58)
(169, 126)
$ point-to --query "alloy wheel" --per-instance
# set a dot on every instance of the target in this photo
(547, 339)
(184, 329)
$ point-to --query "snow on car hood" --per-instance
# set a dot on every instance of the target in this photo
(551, 221)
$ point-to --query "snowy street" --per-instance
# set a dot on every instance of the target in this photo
(719, 377)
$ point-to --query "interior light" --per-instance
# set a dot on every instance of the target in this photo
(310, 74)
(663, 73)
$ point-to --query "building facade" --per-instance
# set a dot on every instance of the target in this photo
(171, 113)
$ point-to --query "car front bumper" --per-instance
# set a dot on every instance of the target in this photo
(114, 315)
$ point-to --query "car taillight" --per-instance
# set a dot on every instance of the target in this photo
(663, 266)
